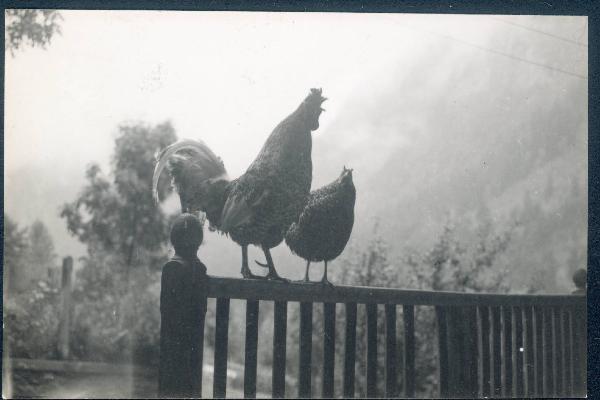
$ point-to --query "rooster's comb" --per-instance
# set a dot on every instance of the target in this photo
(316, 95)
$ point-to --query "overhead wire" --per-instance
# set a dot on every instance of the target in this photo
(501, 53)
(540, 32)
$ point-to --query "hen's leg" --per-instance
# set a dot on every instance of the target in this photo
(324, 280)
(272, 273)
(306, 279)
(246, 273)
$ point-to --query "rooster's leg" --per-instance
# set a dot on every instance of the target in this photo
(324, 280)
(306, 274)
(272, 273)
(246, 273)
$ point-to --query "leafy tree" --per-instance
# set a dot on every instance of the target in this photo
(126, 233)
(31, 27)
(15, 252)
(120, 217)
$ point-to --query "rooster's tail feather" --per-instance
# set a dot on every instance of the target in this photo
(204, 163)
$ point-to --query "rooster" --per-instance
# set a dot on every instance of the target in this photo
(324, 226)
(258, 207)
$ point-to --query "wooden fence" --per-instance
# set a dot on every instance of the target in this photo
(489, 345)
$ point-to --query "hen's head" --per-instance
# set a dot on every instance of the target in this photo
(346, 182)
(311, 108)
(346, 175)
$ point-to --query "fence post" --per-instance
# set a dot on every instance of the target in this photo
(65, 317)
(182, 313)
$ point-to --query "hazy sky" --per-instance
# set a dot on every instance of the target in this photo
(227, 78)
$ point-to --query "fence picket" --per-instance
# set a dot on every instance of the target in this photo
(328, 349)
(305, 356)
(279, 349)
(371, 350)
(408, 315)
(350, 350)
(391, 356)
(221, 342)
(252, 308)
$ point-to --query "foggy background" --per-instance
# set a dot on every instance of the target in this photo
(442, 117)
(467, 136)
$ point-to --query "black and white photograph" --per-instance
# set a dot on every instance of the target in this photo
(257, 204)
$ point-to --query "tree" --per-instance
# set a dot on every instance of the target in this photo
(41, 256)
(31, 27)
(126, 234)
(120, 217)
(15, 252)
(31, 314)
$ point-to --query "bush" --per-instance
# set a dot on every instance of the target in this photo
(31, 322)
(116, 318)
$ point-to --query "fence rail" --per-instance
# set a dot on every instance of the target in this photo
(489, 345)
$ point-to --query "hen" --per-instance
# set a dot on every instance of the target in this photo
(258, 207)
(324, 227)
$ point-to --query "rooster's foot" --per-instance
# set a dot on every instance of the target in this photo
(273, 276)
(326, 283)
(247, 274)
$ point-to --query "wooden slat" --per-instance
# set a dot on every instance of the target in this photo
(580, 351)
(328, 349)
(564, 352)
(527, 340)
(584, 349)
(371, 350)
(279, 349)
(556, 352)
(538, 358)
(456, 357)
(390, 351)
(408, 316)
(483, 350)
(275, 291)
(350, 350)
(504, 354)
(495, 348)
(221, 339)
(442, 351)
(252, 308)
(546, 352)
(571, 350)
(518, 350)
(305, 356)
(469, 349)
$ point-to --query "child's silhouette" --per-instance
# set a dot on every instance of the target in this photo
(182, 308)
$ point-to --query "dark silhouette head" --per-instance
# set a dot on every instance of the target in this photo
(311, 108)
(580, 278)
(186, 235)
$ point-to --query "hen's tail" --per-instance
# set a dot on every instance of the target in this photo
(195, 163)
